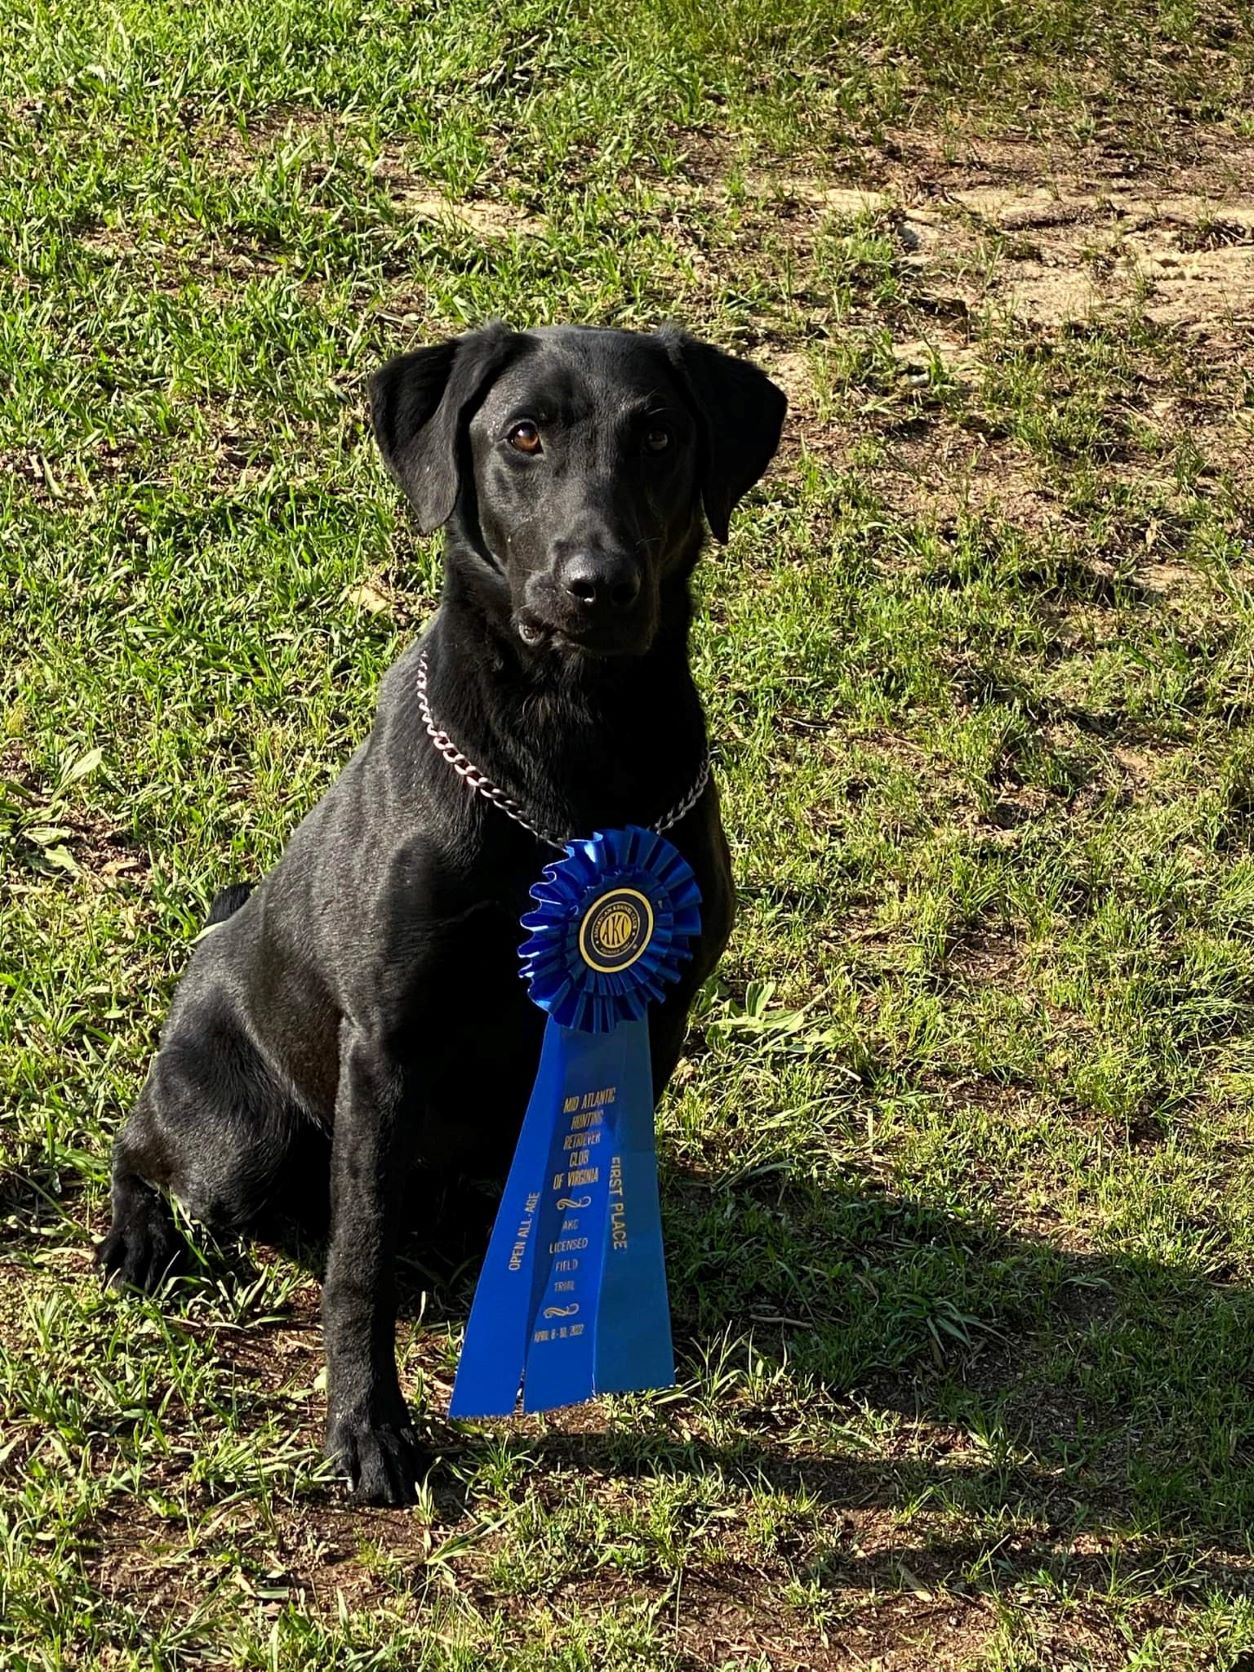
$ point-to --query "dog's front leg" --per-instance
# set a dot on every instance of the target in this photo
(369, 1433)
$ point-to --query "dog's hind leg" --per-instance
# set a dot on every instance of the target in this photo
(211, 1129)
(227, 901)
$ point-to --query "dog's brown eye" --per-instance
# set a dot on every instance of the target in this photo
(658, 439)
(524, 438)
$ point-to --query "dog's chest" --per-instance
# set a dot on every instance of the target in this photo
(473, 1038)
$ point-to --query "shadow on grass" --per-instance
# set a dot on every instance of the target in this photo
(1066, 1402)
(1087, 1400)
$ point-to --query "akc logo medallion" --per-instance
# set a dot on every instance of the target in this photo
(615, 930)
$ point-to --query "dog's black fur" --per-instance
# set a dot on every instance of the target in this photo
(367, 989)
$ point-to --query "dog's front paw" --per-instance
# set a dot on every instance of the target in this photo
(381, 1458)
(143, 1246)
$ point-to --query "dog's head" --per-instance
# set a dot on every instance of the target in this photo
(574, 465)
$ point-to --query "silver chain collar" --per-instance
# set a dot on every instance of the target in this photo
(480, 781)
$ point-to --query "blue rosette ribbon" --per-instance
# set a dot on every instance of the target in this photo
(572, 1298)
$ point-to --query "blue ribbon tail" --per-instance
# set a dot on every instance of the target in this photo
(633, 1340)
(490, 1368)
(572, 1297)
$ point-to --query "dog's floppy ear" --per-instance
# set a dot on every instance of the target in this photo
(419, 405)
(740, 413)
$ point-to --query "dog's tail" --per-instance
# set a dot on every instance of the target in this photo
(228, 902)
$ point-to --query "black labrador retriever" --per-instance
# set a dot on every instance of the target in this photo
(368, 989)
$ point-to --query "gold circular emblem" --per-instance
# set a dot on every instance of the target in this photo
(615, 930)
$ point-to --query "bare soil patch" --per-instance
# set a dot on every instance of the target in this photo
(1010, 239)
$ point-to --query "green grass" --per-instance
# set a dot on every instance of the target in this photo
(958, 1170)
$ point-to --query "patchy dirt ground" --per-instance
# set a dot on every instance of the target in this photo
(1000, 246)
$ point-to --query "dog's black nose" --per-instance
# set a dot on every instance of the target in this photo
(601, 582)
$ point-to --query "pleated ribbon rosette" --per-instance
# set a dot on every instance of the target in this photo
(572, 1298)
